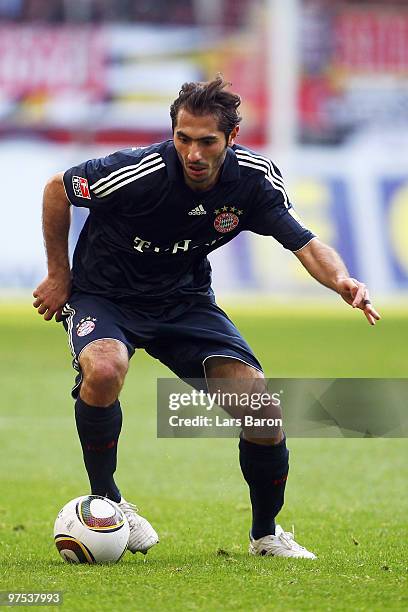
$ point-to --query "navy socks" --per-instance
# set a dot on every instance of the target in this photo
(265, 469)
(99, 430)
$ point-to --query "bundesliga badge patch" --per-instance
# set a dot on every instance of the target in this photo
(227, 219)
(85, 327)
(80, 187)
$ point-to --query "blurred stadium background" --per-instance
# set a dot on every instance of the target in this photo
(325, 90)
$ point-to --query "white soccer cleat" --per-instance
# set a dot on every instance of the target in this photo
(282, 544)
(142, 535)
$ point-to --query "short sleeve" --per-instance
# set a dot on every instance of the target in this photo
(273, 215)
(96, 183)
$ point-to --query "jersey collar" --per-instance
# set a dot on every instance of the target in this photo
(230, 169)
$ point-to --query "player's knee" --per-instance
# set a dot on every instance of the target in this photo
(103, 374)
(104, 365)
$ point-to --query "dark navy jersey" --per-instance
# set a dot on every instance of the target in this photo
(148, 234)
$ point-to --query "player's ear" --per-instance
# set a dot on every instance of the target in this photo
(233, 135)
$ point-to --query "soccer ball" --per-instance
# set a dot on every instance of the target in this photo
(91, 529)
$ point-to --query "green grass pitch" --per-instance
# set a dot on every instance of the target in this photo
(347, 498)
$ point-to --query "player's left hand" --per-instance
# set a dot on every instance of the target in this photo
(356, 294)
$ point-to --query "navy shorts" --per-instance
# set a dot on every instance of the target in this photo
(181, 335)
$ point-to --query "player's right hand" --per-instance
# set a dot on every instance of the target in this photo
(51, 295)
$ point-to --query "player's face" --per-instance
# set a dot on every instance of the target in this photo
(201, 148)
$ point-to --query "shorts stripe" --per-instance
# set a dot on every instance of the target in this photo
(68, 310)
(230, 357)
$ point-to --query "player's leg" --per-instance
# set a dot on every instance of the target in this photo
(264, 461)
(98, 413)
(101, 353)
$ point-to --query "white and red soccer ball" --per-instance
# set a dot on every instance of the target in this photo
(91, 529)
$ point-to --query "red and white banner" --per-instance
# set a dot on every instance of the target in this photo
(117, 82)
(46, 60)
(372, 41)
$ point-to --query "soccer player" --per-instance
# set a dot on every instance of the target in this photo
(141, 279)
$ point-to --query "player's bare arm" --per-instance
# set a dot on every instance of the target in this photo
(327, 267)
(52, 293)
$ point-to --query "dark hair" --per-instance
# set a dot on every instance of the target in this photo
(209, 98)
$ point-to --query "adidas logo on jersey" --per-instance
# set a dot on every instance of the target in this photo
(198, 210)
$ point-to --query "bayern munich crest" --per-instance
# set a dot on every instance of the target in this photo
(85, 326)
(227, 219)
